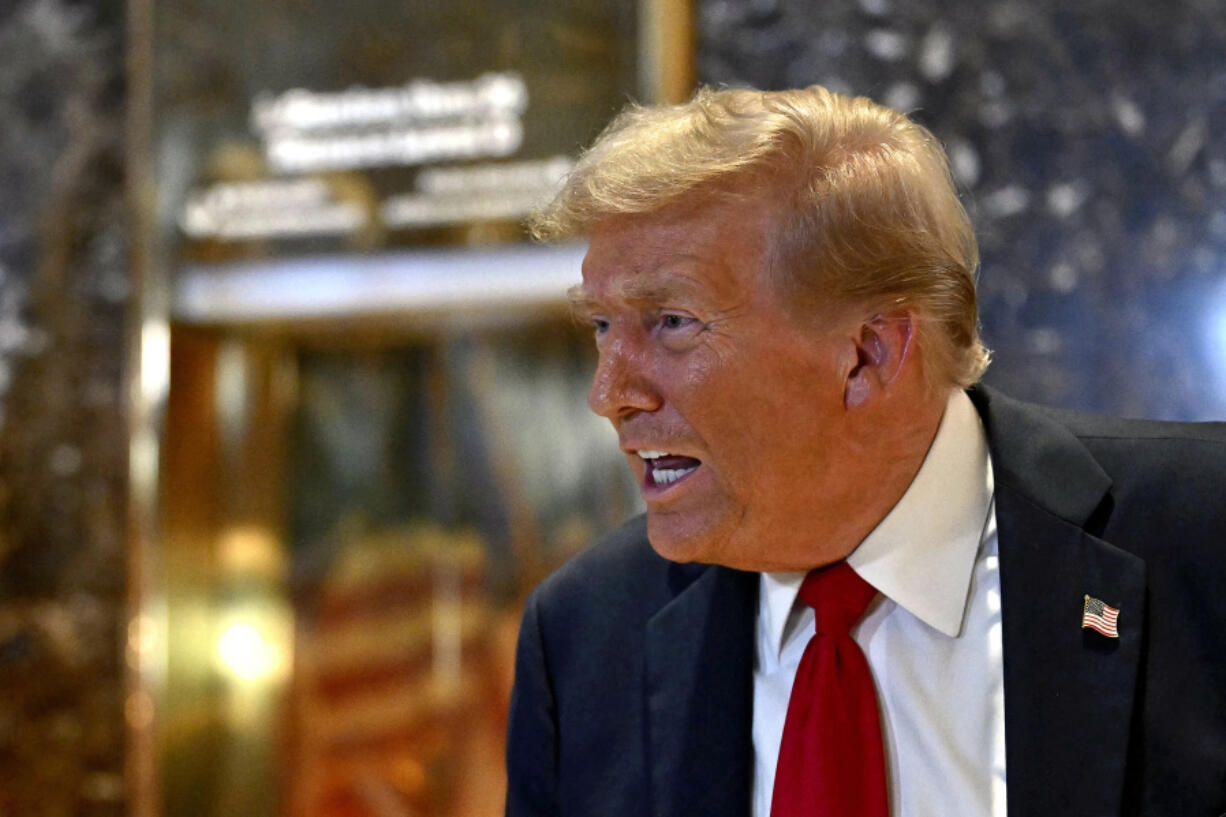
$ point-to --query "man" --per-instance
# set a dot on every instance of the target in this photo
(781, 288)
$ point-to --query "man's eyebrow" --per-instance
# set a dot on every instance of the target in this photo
(644, 290)
(582, 304)
(655, 291)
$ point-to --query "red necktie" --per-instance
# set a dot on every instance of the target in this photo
(831, 761)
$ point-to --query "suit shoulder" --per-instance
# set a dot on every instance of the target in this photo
(1166, 480)
(1168, 471)
(1186, 451)
(1098, 426)
(617, 572)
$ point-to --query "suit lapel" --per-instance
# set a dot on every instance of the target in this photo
(1068, 691)
(699, 695)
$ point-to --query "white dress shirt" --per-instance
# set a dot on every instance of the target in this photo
(932, 638)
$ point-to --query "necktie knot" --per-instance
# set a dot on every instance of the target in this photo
(838, 597)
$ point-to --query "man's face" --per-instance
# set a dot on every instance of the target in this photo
(729, 408)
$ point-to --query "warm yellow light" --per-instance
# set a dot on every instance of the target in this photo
(245, 651)
(251, 552)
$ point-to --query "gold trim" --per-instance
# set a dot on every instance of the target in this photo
(147, 352)
(666, 50)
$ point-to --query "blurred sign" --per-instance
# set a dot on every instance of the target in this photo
(283, 131)
(420, 122)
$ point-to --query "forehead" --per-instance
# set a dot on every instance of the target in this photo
(714, 249)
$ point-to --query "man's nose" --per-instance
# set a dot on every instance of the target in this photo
(621, 385)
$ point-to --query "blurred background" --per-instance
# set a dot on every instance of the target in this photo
(292, 415)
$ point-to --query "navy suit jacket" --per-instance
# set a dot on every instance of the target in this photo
(634, 678)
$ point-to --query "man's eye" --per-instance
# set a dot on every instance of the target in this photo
(600, 325)
(670, 321)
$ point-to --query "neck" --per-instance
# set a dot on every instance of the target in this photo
(894, 442)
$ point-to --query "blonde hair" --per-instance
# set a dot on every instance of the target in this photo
(870, 213)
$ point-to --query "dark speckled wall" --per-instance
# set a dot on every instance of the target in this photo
(1088, 138)
(63, 288)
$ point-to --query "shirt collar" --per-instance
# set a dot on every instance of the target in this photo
(922, 554)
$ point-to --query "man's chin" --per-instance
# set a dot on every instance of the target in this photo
(681, 539)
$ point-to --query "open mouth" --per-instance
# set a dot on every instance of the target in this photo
(664, 469)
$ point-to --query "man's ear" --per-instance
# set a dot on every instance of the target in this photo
(883, 346)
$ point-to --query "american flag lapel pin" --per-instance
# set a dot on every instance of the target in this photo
(1099, 616)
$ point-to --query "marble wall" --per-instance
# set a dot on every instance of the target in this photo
(1087, 138)
(63, 289)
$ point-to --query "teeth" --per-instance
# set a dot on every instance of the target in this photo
(665, 476)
